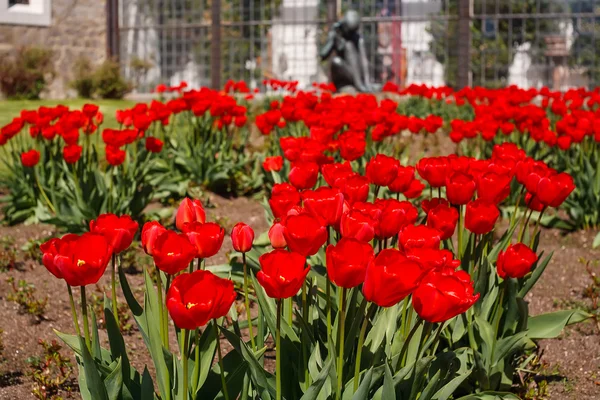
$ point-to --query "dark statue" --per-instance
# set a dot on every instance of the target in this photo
(349, 67)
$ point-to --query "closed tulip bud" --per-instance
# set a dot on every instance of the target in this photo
(196, 298)
(326, 204)
(391, 277)
(516, 261)
(533, 203)
(189, 211)
(282, 273)
(173, 252)
(276, 235)
(304, 234)
(480, 216)
(415, 189)
(119, 231)
(403, 179)
(382, 170)
(419, 236)
(444, 219)
(333, 172)
(434, 170)
(81, 260)
(347, 262)
(150, 232)
(272, 163)
(355, 188)
(30, 158)
(242, 237)
(395, 215)
(459, 188)
(443, 294)
(493, 187)
(206, 238)
(283, 197)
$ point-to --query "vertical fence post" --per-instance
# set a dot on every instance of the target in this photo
(215, 53)
(331, 11)
(112, 29)
(465, 11)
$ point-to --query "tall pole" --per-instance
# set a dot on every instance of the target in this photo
(215, 53)
(465, 12)
(112, 29)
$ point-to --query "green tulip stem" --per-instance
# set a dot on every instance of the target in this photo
(196, 374)
(73, 310)
(278, 352)
(86, 324)
(165, 312)
(328, 292)
(361, 341)
(412, 332)
(460, 232)
(514, 214)
(537, 227)
(436, 340)
(222, 370)
(113, 281)
(184, 360)
(498, 314)
(43, 192)
(161, 309)
(524, 223)
(247, 303)
(341, 333)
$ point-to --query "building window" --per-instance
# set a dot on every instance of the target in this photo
(25, 12)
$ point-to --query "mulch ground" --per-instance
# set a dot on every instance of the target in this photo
(570, 365)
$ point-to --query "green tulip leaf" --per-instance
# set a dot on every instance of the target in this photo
(550, 325)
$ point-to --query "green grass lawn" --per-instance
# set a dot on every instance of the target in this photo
(12, 108)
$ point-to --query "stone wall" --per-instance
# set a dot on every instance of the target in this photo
(78, 28)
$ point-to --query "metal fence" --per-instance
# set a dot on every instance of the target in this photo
(436, 42)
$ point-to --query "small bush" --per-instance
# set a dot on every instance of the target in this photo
(108, 81)
(84, 78)
(24, 73)
(51, 372)
(24, 294)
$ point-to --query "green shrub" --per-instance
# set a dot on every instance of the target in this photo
(108, 81)
(24, 72)
(84, 78)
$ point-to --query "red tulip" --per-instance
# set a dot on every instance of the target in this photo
(358, 225)
(119, 231)
(443, 218)
(554, 189)
(415, 189)
(196, 298)
(72, 153)
(30, 158)
(189, 211)
(115, 156)
(459, 188)
(533, 203)
(516, 261)
(443, 294)
(282, 273)
(395, 215)
(283, 197)
(82, 260)
(347, 262)
(173, 252)
(50, 250)
(433, 170)
(150, 232)
(207, 238)
(276, 235)
(333, 172)
(304, 175)
(154, 145)
(430, 204)
(433, 258)
(242, 237)
(391, 277)
(481, 216)
(355, 188)
(419, 236)
(493, 187)
(272, 163)
(382, 170)
(326, 204)
(403, 179)
(304, 234)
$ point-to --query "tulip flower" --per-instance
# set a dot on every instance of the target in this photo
(433, 170)
(304, 234)
(391, 277)
(347, 262)
(358, 225)
(459, 188)
(276, 235)
(325, 204)
(403, 179)
(72, 153)
(304, 175)
(516, 261)
(355, 188)
(173, 252)
(119, 231)
(554, 189)
(282, 273)
(242, 236)
(382, 170)
(283, 197)
(419, 236)
(150, 232)
(206, 238)
(493, 187)
(80, 260)
(443, 218)
(189, 211)
(395, 215)
(272, 163)
(30, 158)
(481, 216)
(195, 298)
(443, 294)
(332, 172)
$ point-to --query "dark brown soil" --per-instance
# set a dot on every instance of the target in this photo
(571, 362)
